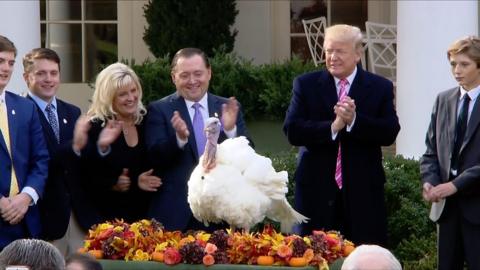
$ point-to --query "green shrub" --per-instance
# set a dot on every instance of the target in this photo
(155, 78)
(411, 233)
(276, 88)
(176, 24)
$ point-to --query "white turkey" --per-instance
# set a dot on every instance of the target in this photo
(234, 184)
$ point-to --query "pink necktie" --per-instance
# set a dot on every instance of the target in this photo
(338, 170)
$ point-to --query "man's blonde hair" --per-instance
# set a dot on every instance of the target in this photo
(470, 46)
(345, 33)
(111, 79)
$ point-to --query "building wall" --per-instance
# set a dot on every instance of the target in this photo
(131, 24)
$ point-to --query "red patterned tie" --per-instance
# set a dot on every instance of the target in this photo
(338, 171)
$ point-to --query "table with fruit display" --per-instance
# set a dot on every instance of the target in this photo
(146, 245)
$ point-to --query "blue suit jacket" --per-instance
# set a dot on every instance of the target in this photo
(55, 205)
(308, 124)
(174, 165)
(30, 155)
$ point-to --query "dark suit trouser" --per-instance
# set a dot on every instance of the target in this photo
(10, 233)
(458, 239)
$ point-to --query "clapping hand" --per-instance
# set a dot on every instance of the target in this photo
(346, 109)
(229, 113)
(109, 134)
(80, 134)
(149, 182)
(180, 126)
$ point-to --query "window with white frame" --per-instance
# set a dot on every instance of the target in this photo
(353, 12)
(83, 32)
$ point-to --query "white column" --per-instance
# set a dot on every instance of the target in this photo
(21, 24)
(425, 31)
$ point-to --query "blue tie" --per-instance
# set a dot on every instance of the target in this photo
(52, 119)
(198, 126)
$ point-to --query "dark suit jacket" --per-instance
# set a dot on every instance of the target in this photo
(435, 163)
(169, 205)
(55, 205)
(308, 124)
(30, 156)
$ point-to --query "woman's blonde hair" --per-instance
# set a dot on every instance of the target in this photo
(111, 79)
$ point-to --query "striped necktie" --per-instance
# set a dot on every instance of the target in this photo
(338, 170)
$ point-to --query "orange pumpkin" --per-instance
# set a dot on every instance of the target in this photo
(265, 260)
(347, 249)
(157, 256)
(98, 254)
(297, 262)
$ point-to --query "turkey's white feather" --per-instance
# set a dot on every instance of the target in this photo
(242, 189)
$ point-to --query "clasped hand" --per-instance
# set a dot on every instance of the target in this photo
(435, 193)
(345, 111)
(13, 209)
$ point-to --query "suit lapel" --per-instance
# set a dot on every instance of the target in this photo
(214, 106)
(12, 111)
(451, 116)
(359, 88)
(63, 123)
(472, 124)
(47, 128)
(329, 95)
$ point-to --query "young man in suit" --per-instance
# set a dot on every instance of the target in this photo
(23, 157)
(57, 118)
(340, 117)
(450, 167)
(176, 141)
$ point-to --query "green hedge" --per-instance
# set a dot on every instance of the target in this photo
(264, 91)
(412, 236)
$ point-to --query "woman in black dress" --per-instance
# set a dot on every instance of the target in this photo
(115, 175)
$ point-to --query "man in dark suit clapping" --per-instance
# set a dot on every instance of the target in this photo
(340, 117)
(175, 137)
(57, 117)
(450, 167)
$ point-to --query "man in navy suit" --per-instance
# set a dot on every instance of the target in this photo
(172, 137)
(340, 178)
(23, 157)
(57, 117)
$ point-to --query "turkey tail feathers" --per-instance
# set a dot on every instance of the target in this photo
(284, 213)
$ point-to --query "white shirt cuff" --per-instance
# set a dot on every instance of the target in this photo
(334, 134)
(32, 193)
(231, 133)
(349, 127)
(181, 143)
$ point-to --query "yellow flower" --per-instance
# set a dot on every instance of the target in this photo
(161, 247)
(323, 265)
(141, 256)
